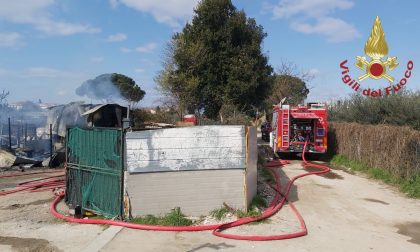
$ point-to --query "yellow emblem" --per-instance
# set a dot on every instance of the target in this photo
(376, 48)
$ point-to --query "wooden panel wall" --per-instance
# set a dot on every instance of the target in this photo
(194, 168)
(195, 192)
(251, 166)
(190, 148)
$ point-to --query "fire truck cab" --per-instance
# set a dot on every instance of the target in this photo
(293, 126)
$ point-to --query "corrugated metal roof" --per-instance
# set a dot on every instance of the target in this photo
(96, 108)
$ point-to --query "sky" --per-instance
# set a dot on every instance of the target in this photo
(48, 48)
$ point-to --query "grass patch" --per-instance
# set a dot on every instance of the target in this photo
(173, 218)
(342, 160)
(258, 201)
(219, 213)
(176, 218)
(146, 220)
(252, 212)
(409, 186)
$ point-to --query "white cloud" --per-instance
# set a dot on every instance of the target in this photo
(336, 30)
(5, 72)
(170, 12)
(147, 48)
(62, 28)
(313, 8)
(314, 17)
(97, 59)
(45, 72)
(139, 70)
(113, 3)
(10, 39)
(117, 37)
(314, 72)
(36, 13)
(125, 50)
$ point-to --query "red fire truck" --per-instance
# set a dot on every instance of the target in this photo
(190, 119)
(293, 126)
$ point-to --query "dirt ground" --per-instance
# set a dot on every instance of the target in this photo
(26, 223)
(343, 212)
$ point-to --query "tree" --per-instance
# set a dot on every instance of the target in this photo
(3, 102)
(107, 87)
(3, 98)
(129, 90)
(291, 87)
(289, 83)
(174, 87)
(217, 60)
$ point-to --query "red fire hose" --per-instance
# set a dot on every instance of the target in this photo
(29, 173)
(273, 208)
(37, 185)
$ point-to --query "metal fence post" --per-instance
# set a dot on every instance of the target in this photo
(10, 135)
(26, 134)
(51, 143)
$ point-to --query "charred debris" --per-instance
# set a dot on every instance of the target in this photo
(32, 136)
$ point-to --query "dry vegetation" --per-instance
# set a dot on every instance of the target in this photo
(396, 149)
(389, 153)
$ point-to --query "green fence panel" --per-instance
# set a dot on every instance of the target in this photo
(95, 170)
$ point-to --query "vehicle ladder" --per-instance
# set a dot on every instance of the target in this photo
(285, 126)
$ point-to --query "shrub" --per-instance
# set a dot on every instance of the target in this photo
(392, 148)
(402, 109)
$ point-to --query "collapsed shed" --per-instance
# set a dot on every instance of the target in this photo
(78, 114)
(151, 172)
(106, 115)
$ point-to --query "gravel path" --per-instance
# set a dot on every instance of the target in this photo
(343, 212)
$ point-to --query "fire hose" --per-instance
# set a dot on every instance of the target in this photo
(35, 186)
(28, 173)
(275, 205)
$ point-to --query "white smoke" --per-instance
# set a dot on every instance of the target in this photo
(100, 88)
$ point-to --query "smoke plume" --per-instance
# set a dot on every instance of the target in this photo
(100, 88)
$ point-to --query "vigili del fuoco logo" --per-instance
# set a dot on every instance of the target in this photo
(375, 66)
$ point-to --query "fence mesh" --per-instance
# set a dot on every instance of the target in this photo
(94, 170)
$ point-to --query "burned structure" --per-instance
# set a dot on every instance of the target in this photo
(106, 115)
(43, 139)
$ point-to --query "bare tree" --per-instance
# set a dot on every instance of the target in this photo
(291, 83)
(3, 98)
(291, 69)
(3, 104)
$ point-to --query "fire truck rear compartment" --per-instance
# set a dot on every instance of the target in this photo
(293, 126)
(302, 130)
